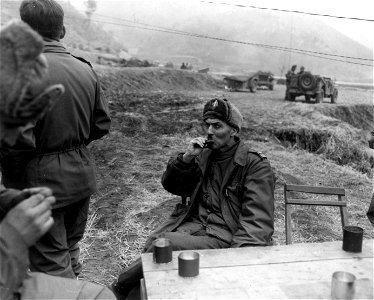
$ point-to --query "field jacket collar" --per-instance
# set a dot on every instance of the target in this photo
(240, 156)
(52, 46)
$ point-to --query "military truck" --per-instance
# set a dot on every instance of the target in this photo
(311, 87)
(251, 81)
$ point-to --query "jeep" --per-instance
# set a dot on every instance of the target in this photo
(311, 87)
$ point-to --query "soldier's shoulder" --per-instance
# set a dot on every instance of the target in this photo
(257, 154)
(82, 60)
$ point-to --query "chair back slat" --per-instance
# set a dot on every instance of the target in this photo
(316, 202)
(315, 189)
(319, 190)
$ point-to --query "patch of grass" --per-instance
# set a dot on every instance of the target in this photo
(335, 145)
(342, 148)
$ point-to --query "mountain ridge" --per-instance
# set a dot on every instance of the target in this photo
(236, 41)
(244, 26)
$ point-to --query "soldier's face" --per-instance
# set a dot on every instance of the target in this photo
(220, 133)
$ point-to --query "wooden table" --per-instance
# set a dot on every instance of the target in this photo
(297, 271)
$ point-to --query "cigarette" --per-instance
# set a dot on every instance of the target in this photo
(208, 142)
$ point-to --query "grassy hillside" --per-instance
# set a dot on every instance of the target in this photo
(156, 111)
(80, 33)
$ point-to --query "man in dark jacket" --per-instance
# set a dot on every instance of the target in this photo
(53, 152)
(231, 190)
(25, 215)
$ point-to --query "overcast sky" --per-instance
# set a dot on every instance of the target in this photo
(361, 31)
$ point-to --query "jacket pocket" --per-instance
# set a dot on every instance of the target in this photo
(232, 194)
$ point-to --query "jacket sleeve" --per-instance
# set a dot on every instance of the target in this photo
(180, 178)
(14, 261)
(256, 220)
(101, 120)
(16, 150)
(8, 199)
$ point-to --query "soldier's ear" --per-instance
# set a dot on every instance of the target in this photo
(63, 31)
(233, 131)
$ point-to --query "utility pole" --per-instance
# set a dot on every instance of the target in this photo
(291, 40)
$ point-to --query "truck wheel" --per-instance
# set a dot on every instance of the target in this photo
(307, 81)
(334, 96)
(320, 97)
(253, 86)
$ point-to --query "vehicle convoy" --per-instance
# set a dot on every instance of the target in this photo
(311, 87)
(251, 81)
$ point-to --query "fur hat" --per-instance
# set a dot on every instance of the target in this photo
(224, 110)
(24, 94)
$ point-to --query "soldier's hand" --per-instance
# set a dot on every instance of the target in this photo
(39, 190)
(194, 148)
(32, 218)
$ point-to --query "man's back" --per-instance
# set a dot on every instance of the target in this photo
(53, 152)
(71, 122)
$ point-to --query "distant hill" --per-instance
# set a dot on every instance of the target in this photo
(243, 25)
(81, 33)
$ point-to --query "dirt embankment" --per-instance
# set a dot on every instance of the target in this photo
(155, 79)
(154, 114)
(337, 131)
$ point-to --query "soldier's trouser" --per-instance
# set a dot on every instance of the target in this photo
(182, 239)
(57, 252)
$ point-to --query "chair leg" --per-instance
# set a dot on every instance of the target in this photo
(344, 216)
(288, 224)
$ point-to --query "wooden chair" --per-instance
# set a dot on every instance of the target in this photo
(339, 192)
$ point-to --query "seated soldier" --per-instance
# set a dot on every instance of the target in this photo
(231, 190)
(302, 71)
(25, 216)
(290, 72)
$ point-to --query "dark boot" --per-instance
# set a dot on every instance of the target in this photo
(122, 293)
(128, 280)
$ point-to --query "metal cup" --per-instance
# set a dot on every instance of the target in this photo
(343, 285)
(162, 251)
(188, 264)
(352, 238)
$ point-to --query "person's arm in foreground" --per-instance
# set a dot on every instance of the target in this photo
(22, 226)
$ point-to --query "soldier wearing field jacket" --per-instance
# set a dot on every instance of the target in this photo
(52, 151)
(231, 190)
(289, 74)
(25, 215)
